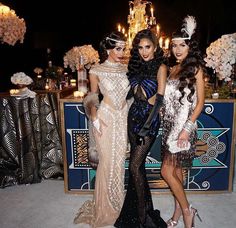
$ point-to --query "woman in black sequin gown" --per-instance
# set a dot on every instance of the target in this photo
(147, 76)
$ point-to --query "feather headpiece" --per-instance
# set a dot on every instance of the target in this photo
(188, 27)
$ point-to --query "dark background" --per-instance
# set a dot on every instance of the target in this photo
(60, 25)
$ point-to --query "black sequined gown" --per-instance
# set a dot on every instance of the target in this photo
(137, 210)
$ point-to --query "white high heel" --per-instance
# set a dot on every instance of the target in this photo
(193, 212)
(171, 223)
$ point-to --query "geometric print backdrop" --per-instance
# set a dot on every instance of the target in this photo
(212, 167)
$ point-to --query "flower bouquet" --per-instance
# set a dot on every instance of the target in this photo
(221, 56)
(12, 28)
(80, 59)
(72, 58)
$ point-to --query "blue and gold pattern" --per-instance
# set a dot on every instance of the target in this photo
(211, 169)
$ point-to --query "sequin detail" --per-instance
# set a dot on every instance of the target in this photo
(175, 115)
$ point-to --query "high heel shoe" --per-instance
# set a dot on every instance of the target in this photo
(193, 212)
(171, 223)
(177, 214)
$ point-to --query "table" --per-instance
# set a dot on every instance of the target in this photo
(30, 138)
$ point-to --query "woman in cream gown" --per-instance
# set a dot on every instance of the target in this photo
(110, 131)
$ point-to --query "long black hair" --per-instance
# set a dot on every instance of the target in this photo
(190, 65)
(137, 67)
(107, 44)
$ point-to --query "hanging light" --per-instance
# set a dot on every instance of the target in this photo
(12, 28)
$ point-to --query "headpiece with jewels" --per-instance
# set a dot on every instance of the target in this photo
(117, 41)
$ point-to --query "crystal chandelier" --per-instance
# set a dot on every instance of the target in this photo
(138, 19)
(12, 28)
(141, 16)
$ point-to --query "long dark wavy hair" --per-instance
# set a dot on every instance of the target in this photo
(107, 44)
(137, 67)
(190, 65)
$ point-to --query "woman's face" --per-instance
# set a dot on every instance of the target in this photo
(146, 49)
(117, 53)
(180, 49)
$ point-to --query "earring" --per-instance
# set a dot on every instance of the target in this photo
(108, 52)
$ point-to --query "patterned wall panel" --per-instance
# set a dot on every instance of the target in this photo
(212, 167)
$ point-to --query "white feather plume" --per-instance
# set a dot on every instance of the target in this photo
(189, 25)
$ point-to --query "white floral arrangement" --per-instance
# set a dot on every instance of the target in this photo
(12, 28)
(221, 55)
(38, 70)
(20, 78)
(72, 58)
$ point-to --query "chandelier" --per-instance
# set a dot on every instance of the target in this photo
(141, 16)
(12, 28)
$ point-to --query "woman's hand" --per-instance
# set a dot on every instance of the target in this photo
(183, 139)
(97, 125)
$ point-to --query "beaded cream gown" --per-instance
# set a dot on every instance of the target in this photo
(105, 207)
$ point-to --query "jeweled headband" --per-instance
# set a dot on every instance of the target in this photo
(188, 27)
(117, 41)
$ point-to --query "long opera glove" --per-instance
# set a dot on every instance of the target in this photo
(147, 125)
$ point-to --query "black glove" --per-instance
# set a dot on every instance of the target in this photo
(155, 110)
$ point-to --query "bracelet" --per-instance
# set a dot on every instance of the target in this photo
(189, 126)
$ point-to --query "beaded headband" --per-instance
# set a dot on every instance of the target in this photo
(117, 41)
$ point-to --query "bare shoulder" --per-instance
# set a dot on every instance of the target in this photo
(199, 75)
(163, 67)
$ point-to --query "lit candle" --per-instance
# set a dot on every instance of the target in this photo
(215, 95)
(73, 82)
(46, 86)
(130, 10)
(129, 42)
(158, 29)
(78, 94)
(14, 91)
(161, 42)
(151, 12)
(132, 14)
(167, 41)
(123, 30)
(119, 27)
